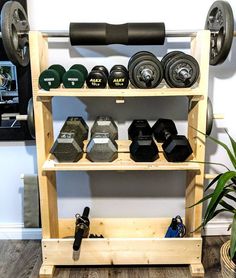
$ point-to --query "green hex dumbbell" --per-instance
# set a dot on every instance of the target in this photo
(75, 76)
(51, 78)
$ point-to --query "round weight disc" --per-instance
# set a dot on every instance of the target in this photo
(146, 63)
(30, 118)
(14, 27)
(209, 117)
(139, 54)
(220, 19)
(188, 65)
(169, 56)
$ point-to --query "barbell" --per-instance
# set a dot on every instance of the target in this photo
(15, 28)
(29, 117)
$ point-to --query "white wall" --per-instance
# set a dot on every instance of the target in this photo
(130, 194)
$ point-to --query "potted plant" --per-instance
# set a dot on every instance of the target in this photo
(223, 199)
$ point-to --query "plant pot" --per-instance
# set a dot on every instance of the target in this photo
(228, 267)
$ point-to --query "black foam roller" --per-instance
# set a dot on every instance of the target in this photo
(128, 34)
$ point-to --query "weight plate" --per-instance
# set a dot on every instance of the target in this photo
(209, 117)
(182, 71)
(15, 28)
(139, 54)
(169, 56)
(30, 118)
(220, 21)
(145, 64)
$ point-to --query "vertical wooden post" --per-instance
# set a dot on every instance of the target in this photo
(44, 138)
(197, 121)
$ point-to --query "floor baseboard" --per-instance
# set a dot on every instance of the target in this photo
(17, 231)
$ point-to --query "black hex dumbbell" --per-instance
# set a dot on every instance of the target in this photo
(102, 146)
(180, 70)
(118, 77)
(68, 146)
(143, 148)
(176, 147)
(97, 78)
(145, 70)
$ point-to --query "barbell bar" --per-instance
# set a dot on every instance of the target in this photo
(15, 29)
(168, 33)
(29, 117)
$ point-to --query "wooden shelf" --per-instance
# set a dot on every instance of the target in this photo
(122, 163)
(131, 92)
(126, 241)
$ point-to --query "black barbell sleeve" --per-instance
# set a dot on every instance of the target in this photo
(128, 33)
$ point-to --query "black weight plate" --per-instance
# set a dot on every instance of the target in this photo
(169, 56)
(30, 118)
(139, 54)
(143, 63)
(209, 117)
(220, 19)
(14, 21)
(173, 67)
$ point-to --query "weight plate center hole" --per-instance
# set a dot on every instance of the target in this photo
(220, 39)
(14, 37)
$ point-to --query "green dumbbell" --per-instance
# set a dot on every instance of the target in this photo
(75, 76)
(52, 77)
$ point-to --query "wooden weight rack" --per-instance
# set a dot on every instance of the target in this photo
(138, 241)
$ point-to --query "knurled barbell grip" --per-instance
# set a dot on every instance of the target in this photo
(128, 34)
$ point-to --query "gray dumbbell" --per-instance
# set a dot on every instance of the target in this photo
(102, 146)
(68, 146)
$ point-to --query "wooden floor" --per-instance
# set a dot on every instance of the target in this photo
(22, 259)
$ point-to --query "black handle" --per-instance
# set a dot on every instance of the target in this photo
(128, 33)
(82, 228)
(78, 238)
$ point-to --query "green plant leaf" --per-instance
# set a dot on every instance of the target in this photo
(230, 197)
(214, 214)
(231, 156)
(233, 238)
(202, 200)
(233, 143)
(213, 181)
(227, 206)
(217, 194)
